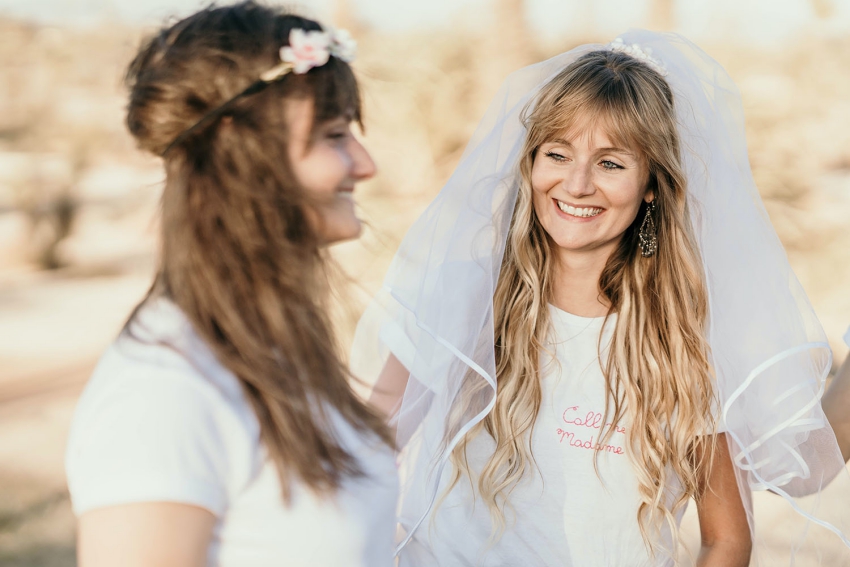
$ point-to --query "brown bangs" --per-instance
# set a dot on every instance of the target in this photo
(335, 92)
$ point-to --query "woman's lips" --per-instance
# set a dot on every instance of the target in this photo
(581, 212)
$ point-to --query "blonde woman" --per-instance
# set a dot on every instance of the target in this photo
(594, 323)
(220, 427)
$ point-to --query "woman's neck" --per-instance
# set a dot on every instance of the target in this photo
(575, 285)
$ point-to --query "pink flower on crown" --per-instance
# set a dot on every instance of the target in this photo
(306, 49)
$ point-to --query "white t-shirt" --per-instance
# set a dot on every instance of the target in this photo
(565, 514)
(162, 421)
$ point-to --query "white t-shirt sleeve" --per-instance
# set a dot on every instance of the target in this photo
(144, 433)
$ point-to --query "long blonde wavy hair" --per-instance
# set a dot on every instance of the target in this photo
(657, 371)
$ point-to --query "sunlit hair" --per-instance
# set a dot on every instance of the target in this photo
(238, 255)
(658, 375)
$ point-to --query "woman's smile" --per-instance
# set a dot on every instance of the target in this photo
(578, 211)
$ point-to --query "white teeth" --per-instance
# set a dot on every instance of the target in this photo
(578, 211)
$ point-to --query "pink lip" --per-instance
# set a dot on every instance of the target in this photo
(346, 189)
(574, 218)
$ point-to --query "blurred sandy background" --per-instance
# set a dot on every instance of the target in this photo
(78, 203)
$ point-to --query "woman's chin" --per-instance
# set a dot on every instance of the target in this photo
(341, 231)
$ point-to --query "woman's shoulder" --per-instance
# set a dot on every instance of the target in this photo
(159, 350)
(160, 419)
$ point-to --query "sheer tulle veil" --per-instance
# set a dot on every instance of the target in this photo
(435, 310)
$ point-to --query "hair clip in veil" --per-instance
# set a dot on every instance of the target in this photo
(639, 53)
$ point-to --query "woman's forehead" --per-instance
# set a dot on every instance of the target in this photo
(595, 132)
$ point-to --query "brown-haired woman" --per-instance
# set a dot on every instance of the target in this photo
(220, 427)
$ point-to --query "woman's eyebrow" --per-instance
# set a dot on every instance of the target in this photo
(615, 150)
(562, 142)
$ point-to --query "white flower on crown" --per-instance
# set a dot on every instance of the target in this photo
(342, 45)
(639, 53)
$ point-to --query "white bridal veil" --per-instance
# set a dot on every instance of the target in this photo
(435, 310)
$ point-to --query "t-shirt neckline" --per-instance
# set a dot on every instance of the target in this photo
(570, 320)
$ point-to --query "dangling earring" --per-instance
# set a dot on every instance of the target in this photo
(648, 240)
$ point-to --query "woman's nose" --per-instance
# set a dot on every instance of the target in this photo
(578, 182)
(362, 165)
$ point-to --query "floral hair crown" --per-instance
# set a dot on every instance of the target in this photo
(642, 54)
(306, 49)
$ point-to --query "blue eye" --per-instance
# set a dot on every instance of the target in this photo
(554, 156)
(609, 165)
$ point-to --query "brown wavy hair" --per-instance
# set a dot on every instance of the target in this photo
(238, 256)
(658, 374)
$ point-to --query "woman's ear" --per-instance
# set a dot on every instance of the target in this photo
(649, 194)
